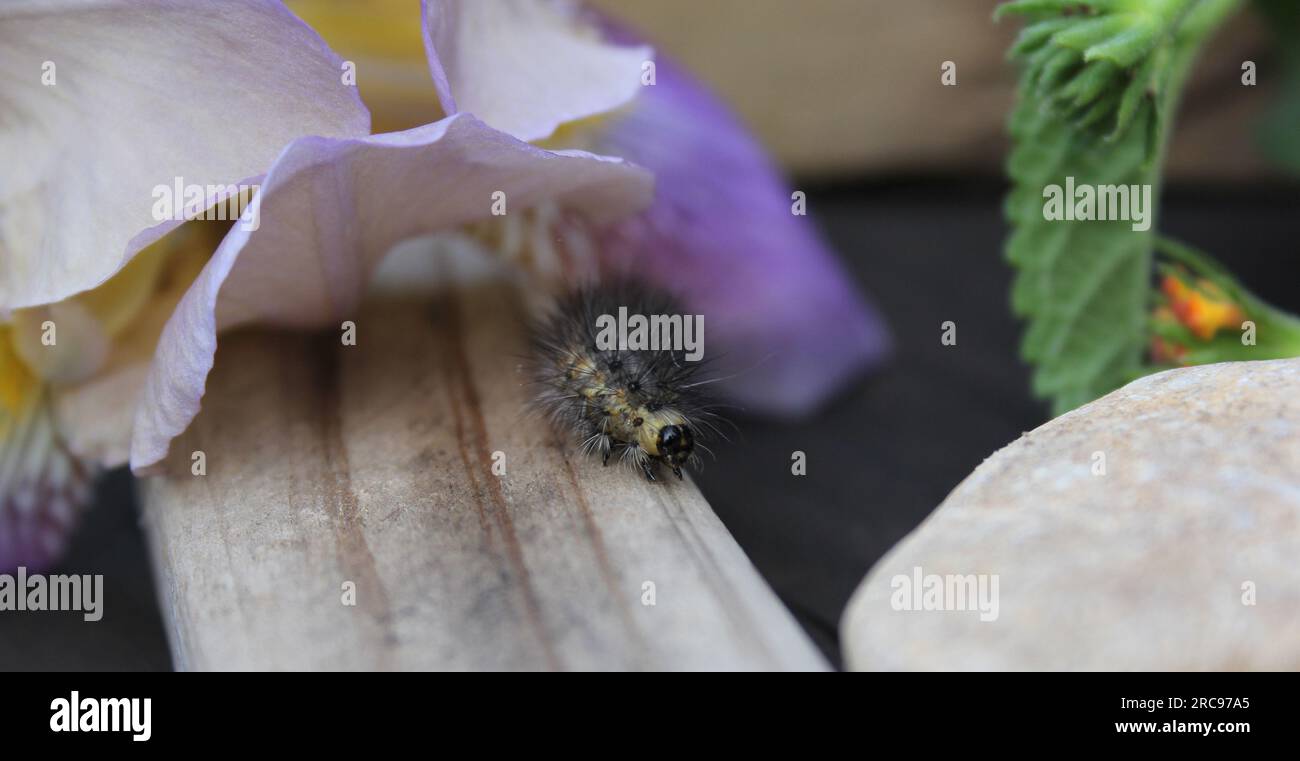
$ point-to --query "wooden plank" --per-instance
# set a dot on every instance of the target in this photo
(373, 465)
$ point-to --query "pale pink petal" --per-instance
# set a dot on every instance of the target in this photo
(101, 102)
(526, 66)
(329, 210)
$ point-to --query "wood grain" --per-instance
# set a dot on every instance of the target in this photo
(372, 464)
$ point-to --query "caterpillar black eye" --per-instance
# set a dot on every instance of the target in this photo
(642, 406)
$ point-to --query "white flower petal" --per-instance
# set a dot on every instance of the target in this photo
(526, 66)
(61, 343)
(102, 101)
(95, 418)
(329, 210)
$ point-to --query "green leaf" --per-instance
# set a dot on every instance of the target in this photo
(1099, 81)
(1081, 285)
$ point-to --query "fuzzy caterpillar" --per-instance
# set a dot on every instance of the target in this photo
(643, 406)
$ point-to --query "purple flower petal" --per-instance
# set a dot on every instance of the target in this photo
(778, 306)
(43, 489)
(329, 210)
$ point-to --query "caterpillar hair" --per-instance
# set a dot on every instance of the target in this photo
(646, 407)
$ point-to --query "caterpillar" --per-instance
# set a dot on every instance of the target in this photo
(644, 406)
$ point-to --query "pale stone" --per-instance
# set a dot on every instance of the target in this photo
(1147, 566)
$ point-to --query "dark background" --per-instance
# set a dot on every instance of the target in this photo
(882, 455)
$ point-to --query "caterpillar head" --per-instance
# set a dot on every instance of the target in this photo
(676, 443)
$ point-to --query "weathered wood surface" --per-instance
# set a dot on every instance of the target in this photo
(372, 464)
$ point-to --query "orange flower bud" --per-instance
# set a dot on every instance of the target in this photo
(1203, 308)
